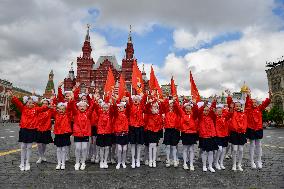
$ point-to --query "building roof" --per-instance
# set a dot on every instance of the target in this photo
(112, 59)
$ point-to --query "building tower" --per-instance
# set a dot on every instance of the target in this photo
(127, 61)
(85, 63)
(49, 86)
(70, 80)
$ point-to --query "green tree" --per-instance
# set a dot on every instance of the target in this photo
(277, 115)
(265, 116)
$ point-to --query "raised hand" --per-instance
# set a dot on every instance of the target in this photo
(60, 84)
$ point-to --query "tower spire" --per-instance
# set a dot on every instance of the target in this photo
(129, 35)
(87, 38)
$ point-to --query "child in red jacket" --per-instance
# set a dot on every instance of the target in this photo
(120, 122)
(135, 109)
(81, 130)
(153, 124)
(188, 128)
(222, 135)
(172, 134)
(105, 131)
(207, 134)
(255, 130)
(238, 129)
(62, 130)
(28, 126)
(43, 130)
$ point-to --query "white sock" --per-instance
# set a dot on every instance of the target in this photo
(106, 153)
(78, 148)
(251, 150)
(174, 151)
(210, 158)
(29, 152)
(63, 154)
(223, 153)
(58, 154)
(184, 153)
(84, 151)
(191, 154)
(133, 152)
(139, 146)
(39, 149)
(151, 147)
(146, 152)
(168, 151)
(240, 154)
(155, 152)
(119, 153)
(234, 154)
(258, 149)
(218, 154)
(124, 150)
(23, 153)
(204, 158)
(102, 149)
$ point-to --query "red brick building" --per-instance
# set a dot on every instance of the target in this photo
(93, 75)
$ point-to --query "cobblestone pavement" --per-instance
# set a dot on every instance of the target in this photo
(45, 175)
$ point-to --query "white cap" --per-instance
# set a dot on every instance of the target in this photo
(82, 94)
(104, 104)
(82, 103)
(238, 101)
(121, 104)
(60, 104)
(200, 104)
(220, 106)
(26, 98)
(65, 92)
(45, 99)
(136, 97)
(187, 104)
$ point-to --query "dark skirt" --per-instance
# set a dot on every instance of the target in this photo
(208, 144)
(171, 136)
(161, 134)
(253, 135)
(104, 140)
(222, 141)
(121, 139)
(136, 135)
(189, 138)
(62, 140)
(44, 137)
(94, 131)
(27, 135)
(238, 138)
(151, 137)
(81, 139)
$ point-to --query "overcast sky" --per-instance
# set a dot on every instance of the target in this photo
(223, 42)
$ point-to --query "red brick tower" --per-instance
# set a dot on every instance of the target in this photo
(70, 80)
(127, 62)
(85, 64)
(49, 86)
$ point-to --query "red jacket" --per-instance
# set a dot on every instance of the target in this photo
(44, 121)
(62, 123)
(153, 122)
(206, 123)
(222, 124)
(135, 112)
(120, 121)
(29, 118)
(82, 120)
(188, 123)
(239, 122)
(254, 115)
(105, 120)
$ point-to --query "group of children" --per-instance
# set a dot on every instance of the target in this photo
(137, 120)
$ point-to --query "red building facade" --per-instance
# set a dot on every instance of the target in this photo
(93, 75)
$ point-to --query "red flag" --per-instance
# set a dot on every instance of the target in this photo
(173, 87)
(122, 88)
(110, 83)
(194, 91)
(137, 81)
(154, 84)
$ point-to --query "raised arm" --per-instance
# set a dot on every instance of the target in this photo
(264, 104)
(18, 103)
